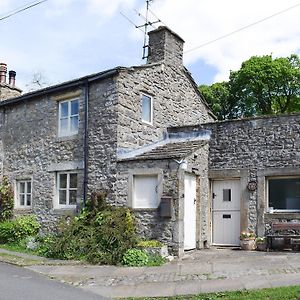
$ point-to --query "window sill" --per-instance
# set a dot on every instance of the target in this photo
(145, 209)
(147, 123)
(74, 136)
(64, 210)
(22, 209)
(285, 215)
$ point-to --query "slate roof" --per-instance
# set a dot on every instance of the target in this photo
(171, 150)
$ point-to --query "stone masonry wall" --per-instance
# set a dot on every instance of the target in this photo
(32, 149)
(169, 230)
(254, 149)
(175, 103)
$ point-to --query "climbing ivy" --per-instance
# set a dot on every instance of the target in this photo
(6, 200)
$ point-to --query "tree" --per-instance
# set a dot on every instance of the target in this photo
(218, 98)
(262, 86)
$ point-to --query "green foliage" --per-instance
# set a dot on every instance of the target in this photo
(98, 236)
(155, 260)
(135, 258)
(149, 243)
(262, 86)
(6, 200)
(15, 230)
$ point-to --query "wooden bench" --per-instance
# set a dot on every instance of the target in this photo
(290, 238)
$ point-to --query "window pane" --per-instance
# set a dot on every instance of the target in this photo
(63, 125)
(63, 197)
(64, 109)
(28, 200)
(146, 108)
(73, 181)
(284, 193)
(72, 197)
(22, 187)
(22, 199)
(63, 181)
(28, 187)
(74, 107)
(74, 124)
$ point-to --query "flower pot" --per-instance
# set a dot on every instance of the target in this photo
(247, 245)
(261, 246)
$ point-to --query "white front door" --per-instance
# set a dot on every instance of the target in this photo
(226, 200)
(189, 212)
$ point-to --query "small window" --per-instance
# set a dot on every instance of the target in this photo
(24, 194)
(145, 191)
(284, 194)
(67, 189)
(227, 195)
(68, 117)
(147, 109)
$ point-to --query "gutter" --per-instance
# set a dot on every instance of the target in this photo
(85, 141)
(61, 87)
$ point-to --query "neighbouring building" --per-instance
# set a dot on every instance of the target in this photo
(145, 136)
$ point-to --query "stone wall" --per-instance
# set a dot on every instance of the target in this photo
(32, 150)
(255, 149)
(150, 224)
(175, 102)
(7, 91)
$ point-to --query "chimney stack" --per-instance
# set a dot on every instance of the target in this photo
(3, 71)
(165, 46)
(12, 78)
(8, 89)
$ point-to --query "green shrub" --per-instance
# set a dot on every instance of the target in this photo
(156, 260)
(135, 258)
(98, 236)
(6, 200)
(149, 243)
(15, 230)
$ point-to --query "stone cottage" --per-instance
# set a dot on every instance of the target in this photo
(145, 135)
(108, 131)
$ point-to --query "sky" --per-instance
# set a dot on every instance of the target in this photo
(66, 39)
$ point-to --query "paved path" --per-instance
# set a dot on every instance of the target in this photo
(199, 271)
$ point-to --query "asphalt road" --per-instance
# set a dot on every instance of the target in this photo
(18, 283)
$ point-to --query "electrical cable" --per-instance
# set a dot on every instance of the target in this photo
(18, 10)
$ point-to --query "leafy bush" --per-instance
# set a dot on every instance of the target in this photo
(18, 229)
(155, 260)
(6, 200)
(100, 234)
(149, 243)
(135, 258)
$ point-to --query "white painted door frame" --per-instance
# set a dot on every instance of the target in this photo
(190, 188)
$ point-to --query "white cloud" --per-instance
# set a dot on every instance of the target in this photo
(107, 8)
(201, 21)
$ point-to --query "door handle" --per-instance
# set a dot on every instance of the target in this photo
(214, 195)
(195, 200)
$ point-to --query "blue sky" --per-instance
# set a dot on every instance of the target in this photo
(66, 39)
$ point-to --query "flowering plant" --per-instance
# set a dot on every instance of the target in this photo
(247, 235)
(260, 239)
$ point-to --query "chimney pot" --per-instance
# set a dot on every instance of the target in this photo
(3, 71)
(12, 78)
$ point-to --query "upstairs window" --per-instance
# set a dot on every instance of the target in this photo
(284, 194)
(23, 194)
(68, 117)
(147, 109)
(67, 189)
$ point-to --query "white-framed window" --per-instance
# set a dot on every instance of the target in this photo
(147, 109)
(284, 194)
(68, 117)
(145, 191)
(23, 193)
(66, 189)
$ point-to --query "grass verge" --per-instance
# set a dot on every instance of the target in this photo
(281, 293)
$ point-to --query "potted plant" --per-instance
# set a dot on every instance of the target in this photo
(247, 240)
(261, 244)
